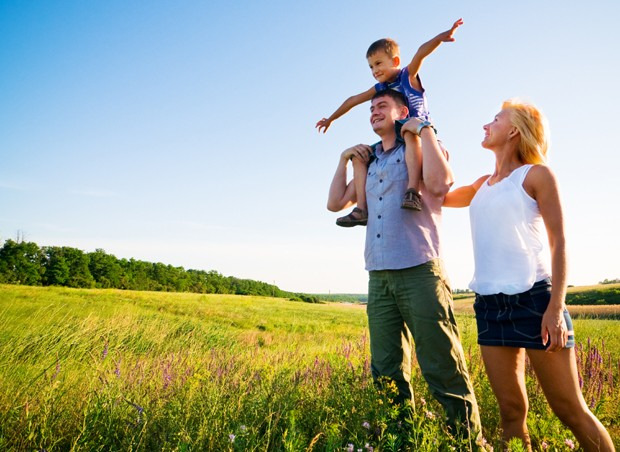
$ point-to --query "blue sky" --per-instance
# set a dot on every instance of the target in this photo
(183, 132)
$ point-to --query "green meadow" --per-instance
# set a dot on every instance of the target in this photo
(103, 369)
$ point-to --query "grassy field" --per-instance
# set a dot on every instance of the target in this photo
(121, 370)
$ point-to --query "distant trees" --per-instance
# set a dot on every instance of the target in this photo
(21, 263)
(610, 281)
(26, 263)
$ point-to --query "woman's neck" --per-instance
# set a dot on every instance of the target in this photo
(506, 161)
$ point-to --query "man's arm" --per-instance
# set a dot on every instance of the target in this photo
(347, 105)
(342, 195)
(436, 172)
(426, 49)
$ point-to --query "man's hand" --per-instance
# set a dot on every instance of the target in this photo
(411, 126)
(446, 36)
(360, 151)
(323, 125)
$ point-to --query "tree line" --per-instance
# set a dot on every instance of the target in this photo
(28, 264)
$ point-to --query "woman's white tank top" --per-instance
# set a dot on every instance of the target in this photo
(509, 237)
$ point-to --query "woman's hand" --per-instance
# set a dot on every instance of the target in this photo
(553, 329)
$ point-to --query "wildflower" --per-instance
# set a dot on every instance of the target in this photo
(57, 370)
(366, 425)
(243, 428)
(422, 401)
(429, 415)
(350, 448)
(231, 438)
(369, 447)
(104, 353)
(485, 444)
(569, 443)
(544, 445)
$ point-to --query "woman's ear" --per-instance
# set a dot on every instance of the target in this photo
(513, 132)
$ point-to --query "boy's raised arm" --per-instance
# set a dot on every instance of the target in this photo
(347, 105)
(426, 49)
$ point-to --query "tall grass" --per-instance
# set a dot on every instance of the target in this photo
(118, 370)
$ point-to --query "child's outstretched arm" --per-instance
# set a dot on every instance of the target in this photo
(426, 49)
(347, 105)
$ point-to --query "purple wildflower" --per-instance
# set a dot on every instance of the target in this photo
(104, 353)
(366, 425)
(544, 445)
(57, 370)
(231, 437)
(569, 443)
(350, 448)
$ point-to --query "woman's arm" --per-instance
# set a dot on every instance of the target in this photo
(462, 196)
(542, 185)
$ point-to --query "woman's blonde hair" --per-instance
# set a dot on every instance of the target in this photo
(533, 130)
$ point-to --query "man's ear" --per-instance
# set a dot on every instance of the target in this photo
(396, 61)
(404, 112)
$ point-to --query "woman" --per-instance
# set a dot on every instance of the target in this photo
(518, 309)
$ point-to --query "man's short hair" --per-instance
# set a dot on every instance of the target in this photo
(386, 45)
(398, 97)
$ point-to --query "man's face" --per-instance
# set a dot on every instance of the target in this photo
(384, 111)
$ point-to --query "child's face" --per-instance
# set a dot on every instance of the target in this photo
(384, 68)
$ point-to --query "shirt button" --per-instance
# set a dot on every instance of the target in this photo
(380, 181)
(378, 235)
(379, 217)
(380, 198)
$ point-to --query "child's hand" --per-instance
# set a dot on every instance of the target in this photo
(323, 124)
(446, 36)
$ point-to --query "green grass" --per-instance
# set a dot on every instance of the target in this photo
(596, 295)
(121, 370)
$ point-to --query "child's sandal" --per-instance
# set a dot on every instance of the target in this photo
(412, 200)
(357, 217)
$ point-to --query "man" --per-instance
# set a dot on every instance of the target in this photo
(408, 292)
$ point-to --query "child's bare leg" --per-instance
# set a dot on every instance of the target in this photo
(413, 160)
(360, 170)
(359, 215)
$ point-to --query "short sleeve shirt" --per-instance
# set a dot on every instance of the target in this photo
(398, 238)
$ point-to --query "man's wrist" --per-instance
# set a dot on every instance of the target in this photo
(423, 125)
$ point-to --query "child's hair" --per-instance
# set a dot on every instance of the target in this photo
(386, 45)
(533, 130)
(398, 97)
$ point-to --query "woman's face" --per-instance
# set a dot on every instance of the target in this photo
(497, 132)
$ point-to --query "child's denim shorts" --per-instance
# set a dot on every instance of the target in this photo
(515, 320)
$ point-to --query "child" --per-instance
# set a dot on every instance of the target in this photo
(384, 61)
